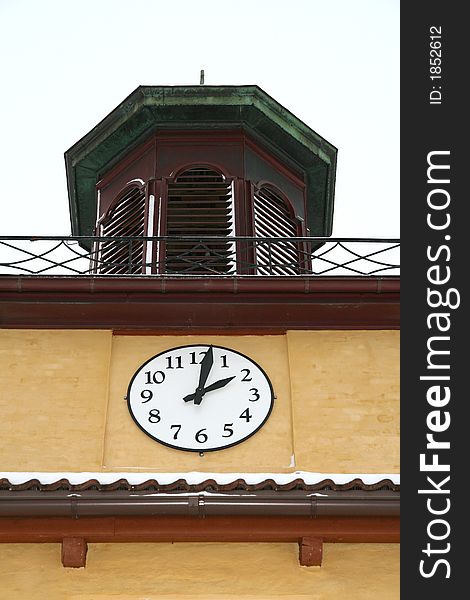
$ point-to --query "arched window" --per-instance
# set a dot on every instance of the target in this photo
(199, 204)
(274, 218)
(125, 219)
(192, 214)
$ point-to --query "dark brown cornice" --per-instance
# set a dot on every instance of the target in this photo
(141, 504)
(269, 304)
(75, 515)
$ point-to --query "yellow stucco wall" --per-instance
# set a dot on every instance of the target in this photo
(346, 409)
(53, 394)
(62, 395)
(200, 571)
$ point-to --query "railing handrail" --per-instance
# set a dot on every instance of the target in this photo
(34, 238)
(197, 255)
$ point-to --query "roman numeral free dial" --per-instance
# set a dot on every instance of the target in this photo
(200, 398)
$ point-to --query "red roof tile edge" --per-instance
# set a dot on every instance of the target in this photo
(209, 485)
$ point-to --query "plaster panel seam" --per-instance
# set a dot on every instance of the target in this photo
(292, 408)
(106, 406)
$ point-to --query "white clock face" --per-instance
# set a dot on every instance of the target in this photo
(200, 398)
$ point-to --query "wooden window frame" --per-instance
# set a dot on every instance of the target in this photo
(107, 215)
(303, 249)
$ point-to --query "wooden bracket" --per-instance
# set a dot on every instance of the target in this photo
(74, 551)
(310, 551)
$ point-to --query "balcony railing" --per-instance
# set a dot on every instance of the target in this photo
(179, 256)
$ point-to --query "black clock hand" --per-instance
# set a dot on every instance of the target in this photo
(218, 384)
(206, 366)
(210, 388)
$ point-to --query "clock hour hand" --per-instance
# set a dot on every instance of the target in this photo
(210, 388)
(206, 366)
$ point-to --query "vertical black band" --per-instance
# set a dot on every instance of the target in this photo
(435, 241)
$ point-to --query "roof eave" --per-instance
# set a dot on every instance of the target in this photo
(38, 503)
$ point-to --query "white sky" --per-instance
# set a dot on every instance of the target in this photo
(66, 64)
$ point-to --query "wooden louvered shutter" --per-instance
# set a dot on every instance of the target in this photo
(199, 204)
(273, 218)
(126, 219)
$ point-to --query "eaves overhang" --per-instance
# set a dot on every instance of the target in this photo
(39, 503)
(152, 108)
(198, 494)
(261, 304)
(310, 509)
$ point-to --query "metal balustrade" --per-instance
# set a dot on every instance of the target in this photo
(190, 256)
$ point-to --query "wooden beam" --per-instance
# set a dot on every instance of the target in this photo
(309, 533)
(195, 529)
(205, 304)
(74, 551)
(310, 551)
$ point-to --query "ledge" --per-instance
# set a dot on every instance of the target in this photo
(261, 304)
(199, 508)
(309, 533)
(194, 529)
(203, 504)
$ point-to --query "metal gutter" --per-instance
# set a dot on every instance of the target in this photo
(316, 285)
(298, 504)
(309, 519)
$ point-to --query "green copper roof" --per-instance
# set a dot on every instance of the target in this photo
(200, 107)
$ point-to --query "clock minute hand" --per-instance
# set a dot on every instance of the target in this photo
(206, 366)
(210, 388)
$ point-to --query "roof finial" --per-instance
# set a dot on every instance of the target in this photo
(201, 80)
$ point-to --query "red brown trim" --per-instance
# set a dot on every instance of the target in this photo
(142, 187)
(184, 332)
(212, 304)
(296, 178)
(206, 137)
(310, 551)
(184, 285)
(195, 164)
(74, 551)
(309, 533)
(36, 503)
(195, 529)
(124, 163)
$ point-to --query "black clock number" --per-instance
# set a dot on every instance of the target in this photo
(256, 395)
(245, 377)
(154, 416)
(147, 394)
(228, 429)
(178, 429)
(193, 357)
(224, 361)
(201, 437)
(246, 415)
(157, 377)
(169, 360)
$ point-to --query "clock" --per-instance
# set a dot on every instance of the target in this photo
(200, 398)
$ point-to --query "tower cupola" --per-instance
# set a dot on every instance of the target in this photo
(201, 180)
